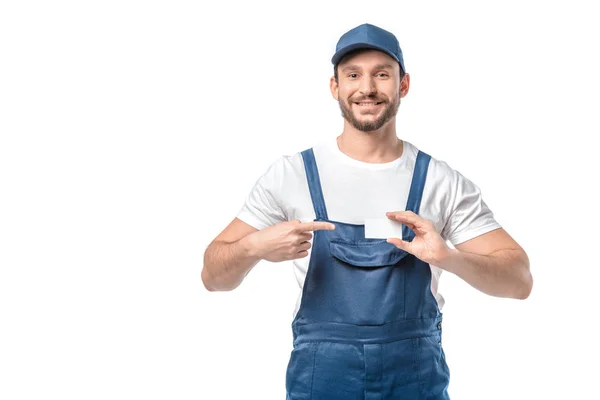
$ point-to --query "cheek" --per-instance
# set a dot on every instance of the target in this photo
(347, 89)
(390, 90)
(344, 95)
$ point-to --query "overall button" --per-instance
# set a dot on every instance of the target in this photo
(439, 325)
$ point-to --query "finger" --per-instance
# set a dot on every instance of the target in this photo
(405, 213)
(301, 243)
(399, 243)
(304, 236)
(302, 254)
(304, 246)
(406, 217)
(315, 226)
(400, 219)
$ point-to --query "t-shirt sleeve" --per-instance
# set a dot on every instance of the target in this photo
(262, 207)
(469, 215)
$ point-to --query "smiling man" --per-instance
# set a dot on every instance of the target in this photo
(374, 105)
(368, 321)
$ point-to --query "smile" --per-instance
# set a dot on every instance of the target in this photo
(368, 104)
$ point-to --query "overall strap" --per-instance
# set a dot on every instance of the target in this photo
(314, 183)
(416, 190)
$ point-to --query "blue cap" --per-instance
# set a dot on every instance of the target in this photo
(367, 36)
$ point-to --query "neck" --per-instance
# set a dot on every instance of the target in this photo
(380, 146)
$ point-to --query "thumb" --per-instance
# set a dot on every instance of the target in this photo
(399, 243)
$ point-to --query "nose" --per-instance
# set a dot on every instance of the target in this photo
(367, 86)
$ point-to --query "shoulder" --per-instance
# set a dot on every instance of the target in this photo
(283, 166)
(439, 173)
(409, 153)
(440, 191)
(291, 165)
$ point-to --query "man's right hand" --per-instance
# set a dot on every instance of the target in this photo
(285, 240)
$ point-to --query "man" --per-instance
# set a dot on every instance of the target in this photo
(367, 324)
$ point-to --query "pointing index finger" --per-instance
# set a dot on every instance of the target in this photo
(316, 226)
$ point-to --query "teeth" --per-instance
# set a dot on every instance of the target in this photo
(367, 104)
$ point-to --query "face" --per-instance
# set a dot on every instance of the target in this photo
(369, 89)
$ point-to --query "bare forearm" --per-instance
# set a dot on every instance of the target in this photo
(226, 264)
(504, 273)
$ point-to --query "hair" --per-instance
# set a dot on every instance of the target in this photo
(335, 67)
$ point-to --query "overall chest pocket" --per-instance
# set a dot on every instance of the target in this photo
(368, 281)
(366, 253)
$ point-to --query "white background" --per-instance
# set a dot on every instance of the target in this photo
(132, 131)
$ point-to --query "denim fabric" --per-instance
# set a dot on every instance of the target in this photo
(368, 326)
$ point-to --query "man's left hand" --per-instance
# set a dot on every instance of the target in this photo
(427, 245)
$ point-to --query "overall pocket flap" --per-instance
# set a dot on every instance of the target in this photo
(370, 254)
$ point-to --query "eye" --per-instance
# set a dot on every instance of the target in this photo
(383, 75)
(352, 76)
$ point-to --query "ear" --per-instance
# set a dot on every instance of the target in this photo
(333, 86)
(404, 85)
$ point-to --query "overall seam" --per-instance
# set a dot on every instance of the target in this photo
(415, 343)
(365, 385)
(312, 378)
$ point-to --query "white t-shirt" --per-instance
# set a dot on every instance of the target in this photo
(354, 190)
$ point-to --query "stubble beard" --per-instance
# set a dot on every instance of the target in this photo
(366, 126)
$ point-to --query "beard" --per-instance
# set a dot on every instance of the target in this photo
(390, 111)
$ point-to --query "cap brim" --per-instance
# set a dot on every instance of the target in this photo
(341, 53)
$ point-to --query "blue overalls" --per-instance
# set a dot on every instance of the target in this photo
(368, 326)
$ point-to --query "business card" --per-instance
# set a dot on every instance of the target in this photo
(382, 228)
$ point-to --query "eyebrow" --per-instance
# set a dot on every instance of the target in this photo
(350, 68)
(357, 68)
(384, 66)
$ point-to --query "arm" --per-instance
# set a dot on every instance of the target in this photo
(233, 253)
(492, 263)
(229, 257)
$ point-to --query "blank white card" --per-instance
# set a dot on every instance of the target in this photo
(382, 228)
